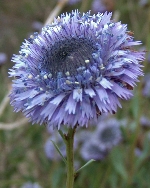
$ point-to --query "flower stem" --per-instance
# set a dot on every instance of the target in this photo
(69, 139)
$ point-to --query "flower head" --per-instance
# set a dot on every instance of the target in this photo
(76, 69)
(108, 134)
(31, 185)
(146, 83)
(145, 122)
(3, 58)
(71, 2)
(143, 2)
(98, 6)
(91, 150)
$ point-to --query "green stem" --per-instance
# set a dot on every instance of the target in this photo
(70, 157)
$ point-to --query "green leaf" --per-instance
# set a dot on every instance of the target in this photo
(117, 159)
(57, 148)
(89, 162)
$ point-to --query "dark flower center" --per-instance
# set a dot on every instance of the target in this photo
(68, 55)
(108, 135)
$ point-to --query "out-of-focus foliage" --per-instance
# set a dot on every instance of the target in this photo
(22, 156)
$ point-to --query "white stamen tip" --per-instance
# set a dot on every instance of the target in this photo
(68, 82)
(30, 76)
(50, 75)
(101, 67)
(98, 79)
(45, 76)
(26, 55)
(31, 36)
(67, 73)
(87, 61)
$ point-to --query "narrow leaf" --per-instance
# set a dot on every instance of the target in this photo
(62, 135)
(89, 162)
(57, 148)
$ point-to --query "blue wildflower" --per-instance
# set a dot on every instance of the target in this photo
(3, 58)
(145, 122)
(108, 134)
(76, 69)
(71, 2)
(146, 85)
(138, 152)
(31, 185)
(98, 6)
(143, 2)
(91, 150)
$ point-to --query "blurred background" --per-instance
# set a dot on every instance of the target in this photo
(28, 158)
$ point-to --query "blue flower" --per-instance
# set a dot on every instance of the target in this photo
(31, 185)
(143, 2)
(108, 134)
(98, 6)
(91, 150)
(71, 2)
(146, 83)
(3, 58)
(145, 122)
(76, 69)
